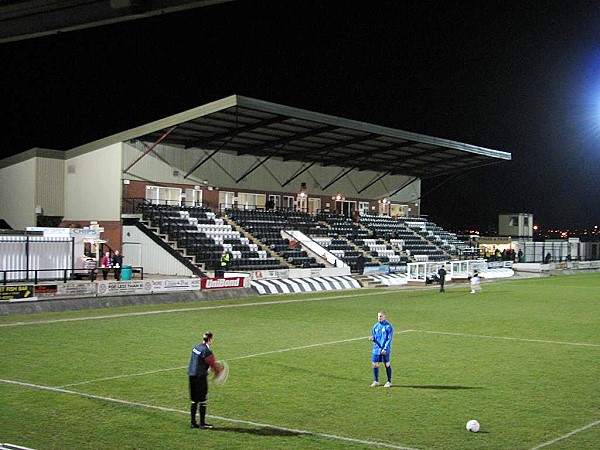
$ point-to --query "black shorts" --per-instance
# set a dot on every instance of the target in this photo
(198, 389)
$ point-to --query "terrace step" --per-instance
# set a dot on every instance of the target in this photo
(367, 281)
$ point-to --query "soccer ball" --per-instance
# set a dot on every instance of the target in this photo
(221, 378)
(473, 426)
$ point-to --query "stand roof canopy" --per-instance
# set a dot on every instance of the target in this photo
(248, 126)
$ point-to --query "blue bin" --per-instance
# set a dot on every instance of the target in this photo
(126, 273)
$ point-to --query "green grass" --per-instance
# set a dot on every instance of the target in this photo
(522, 357)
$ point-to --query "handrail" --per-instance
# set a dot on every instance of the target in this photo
(65, 278)
(130, 204)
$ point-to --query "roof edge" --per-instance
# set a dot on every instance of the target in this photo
(368, 127)
(274, 108)
(35, 152)
(157, 125)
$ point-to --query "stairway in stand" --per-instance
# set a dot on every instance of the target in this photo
(368, 282)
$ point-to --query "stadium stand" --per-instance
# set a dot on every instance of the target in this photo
(266, 226)
(254, 238)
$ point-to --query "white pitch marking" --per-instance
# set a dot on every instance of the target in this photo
(225, 419)
(541, 341)
(198, 308)
(237, 358)
(560, 438)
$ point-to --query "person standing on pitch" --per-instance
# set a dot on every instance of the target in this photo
(442, 275)
(202, 358)
(474, 281)
(381, 335)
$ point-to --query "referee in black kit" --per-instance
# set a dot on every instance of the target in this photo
(201, 359)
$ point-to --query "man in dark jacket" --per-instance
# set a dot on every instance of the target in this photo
(201, 359)
(442, 277)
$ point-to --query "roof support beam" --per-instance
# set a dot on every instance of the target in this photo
(256, 166)
(328, 148)
(373, 182)
(431, 151)
(300, 172)
(287, 140)
(209, 157)
(462, 169)
(339, 177)
(409, 182)
(163, 137)
(228, 135)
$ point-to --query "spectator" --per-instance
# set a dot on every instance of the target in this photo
(117, 264)
(360, 264)
(106, 264)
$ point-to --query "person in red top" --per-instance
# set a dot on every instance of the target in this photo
(201, 359)
(106, 264)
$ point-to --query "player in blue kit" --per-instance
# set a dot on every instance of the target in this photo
(382, 334)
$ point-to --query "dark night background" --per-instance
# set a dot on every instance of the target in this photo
(511, 76)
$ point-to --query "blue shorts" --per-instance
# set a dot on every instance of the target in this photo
(377, 357)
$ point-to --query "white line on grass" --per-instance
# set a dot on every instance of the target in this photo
(197, 308)
(307, 346)
(579, 430)
(225, 419)
(541, 341)
(237, 358)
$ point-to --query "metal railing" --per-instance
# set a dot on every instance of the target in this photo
(67, 274)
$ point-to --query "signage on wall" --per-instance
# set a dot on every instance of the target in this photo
(20, 292)
(222, 283)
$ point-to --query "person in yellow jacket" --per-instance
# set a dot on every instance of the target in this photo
(224, 262)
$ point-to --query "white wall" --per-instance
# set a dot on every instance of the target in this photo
(17, 194)
(50, 186)
(93, 185)
(152, 257)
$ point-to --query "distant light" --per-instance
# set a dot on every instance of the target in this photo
(588, 117)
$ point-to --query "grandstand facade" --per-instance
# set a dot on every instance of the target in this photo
(245, 175)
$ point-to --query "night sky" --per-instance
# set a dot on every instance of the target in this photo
(509, 76)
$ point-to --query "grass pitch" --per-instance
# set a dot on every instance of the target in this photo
(521, 357)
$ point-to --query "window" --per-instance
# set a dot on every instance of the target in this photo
(159, 195)
(193, 197)
(251, 201)
(363, 208)
(314, 205)
(225, 199)
(288, 202)
(276, 199)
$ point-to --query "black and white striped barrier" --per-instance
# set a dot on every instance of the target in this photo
(290, 285)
